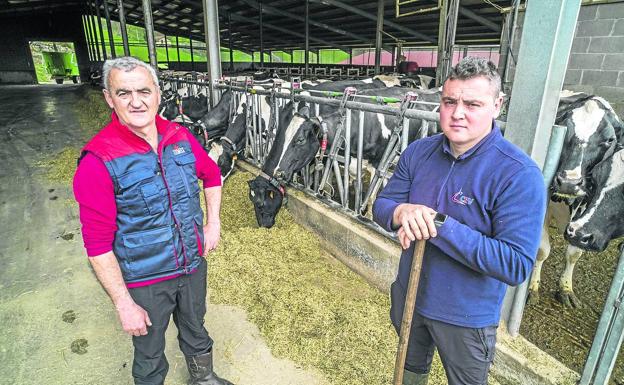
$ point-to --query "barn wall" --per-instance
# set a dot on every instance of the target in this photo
(16, 64)
(596, 63)
(597, 58)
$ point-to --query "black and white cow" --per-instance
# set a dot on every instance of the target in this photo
(301, 139)
(265, 191)
(594, 131)
(603, 219)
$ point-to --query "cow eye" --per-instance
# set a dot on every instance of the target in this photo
(300, 140)
(609, 141)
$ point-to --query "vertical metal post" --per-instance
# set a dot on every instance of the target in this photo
(213, 41)
(89, 33)
(167, 50)
(544, 51)
(448, 26)
(441, 40)
(261, 38)
(87, 37)
(510, 46)
(94, 32)
(350, 55)
(230, 42)
(149, 31)
(307, 37)
(99, 25)
(347, 158)
(122, 24)
(109, 27)
(379, 37)
(360, 151)
(192, 56)
(178, 50)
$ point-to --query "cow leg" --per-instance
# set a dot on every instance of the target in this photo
(542, 254)
(566, 294)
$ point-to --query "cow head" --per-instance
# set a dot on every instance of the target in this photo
(267, 200)
(603, 219)
(301, 144)
(593, 130)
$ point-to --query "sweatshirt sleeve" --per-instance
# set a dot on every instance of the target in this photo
(517, 220)
(94, 192)
(207, 169)
(396, 192)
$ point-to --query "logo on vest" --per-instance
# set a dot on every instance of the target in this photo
(177, 150)
(460, 198)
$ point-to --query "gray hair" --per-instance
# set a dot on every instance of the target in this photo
(127, 64)
(471, 67)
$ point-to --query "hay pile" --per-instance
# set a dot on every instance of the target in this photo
(309, 308)
(60, 167)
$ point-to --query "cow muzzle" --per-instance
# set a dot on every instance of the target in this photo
(569, 186)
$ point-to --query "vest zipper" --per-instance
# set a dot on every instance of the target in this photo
(448, 175)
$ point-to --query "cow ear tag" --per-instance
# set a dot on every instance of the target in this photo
(234, 157)
(271, 194)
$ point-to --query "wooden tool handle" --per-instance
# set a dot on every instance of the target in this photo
(408, 310)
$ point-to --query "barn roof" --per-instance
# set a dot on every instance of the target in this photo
(333, 23)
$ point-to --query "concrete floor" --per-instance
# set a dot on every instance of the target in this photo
(44, 272)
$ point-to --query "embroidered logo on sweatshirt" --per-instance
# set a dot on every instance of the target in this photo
(177, 150)
(460, 198)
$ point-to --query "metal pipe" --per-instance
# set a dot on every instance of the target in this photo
(191, 48)
(230, 42)
(307, 37)
(553, 154)
(441, 40)
(89, 35)
(347, 158)
(178, 50)
(360, 152)
(87, 40)
(167, 50)
(261, 39)
(109, 27)
(93, 31)
(351, 56)
(213, 50)
(122, 24)
(379, 36)
(99, 24)
(149, 31)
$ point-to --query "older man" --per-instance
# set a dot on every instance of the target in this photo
(142, 224)
(480, 201)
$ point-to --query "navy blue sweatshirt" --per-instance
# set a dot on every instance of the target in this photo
(495, 200)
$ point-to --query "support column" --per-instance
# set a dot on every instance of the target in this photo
(85, 28)
(149, 31)
(307, 37)
(109, 27)
(124, 31)
(446, 38)
(261, 37)
(213, 41)
(542, 60)
(99, 25)
(230, 42)
(94, 32)
(192, 56)
(178, 50)
(167, 50)
(379, 37)
(350, 55)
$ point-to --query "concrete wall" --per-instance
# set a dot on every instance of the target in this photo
(16, 64)
(597, 58)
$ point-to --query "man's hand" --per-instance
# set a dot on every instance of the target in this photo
(134, 319)
(416, 222)
(212, 233)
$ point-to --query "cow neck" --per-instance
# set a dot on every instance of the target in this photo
(483, 145)
(274, 182)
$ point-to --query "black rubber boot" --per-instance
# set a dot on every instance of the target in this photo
(200, 369)
(411, 378)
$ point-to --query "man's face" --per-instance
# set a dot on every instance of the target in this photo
(134, 97)
(467, 108)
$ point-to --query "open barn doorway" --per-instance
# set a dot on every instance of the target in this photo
(55, 62)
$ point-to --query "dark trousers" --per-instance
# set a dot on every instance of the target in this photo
(185, 298)
(466, 353)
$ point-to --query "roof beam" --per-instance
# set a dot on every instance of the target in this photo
(278, 11)
(480, 19)
(374, 17)
(284, 30)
